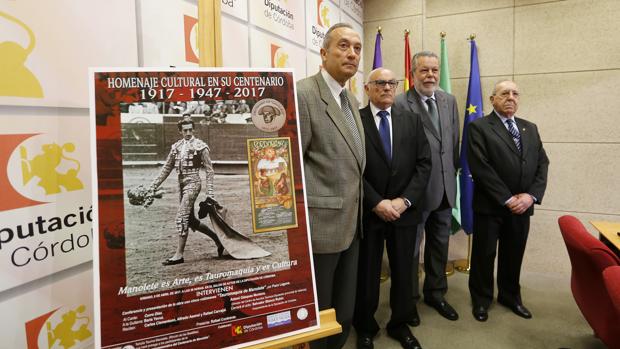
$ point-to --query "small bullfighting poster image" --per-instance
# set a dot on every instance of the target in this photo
(177, 261)
(271, 180)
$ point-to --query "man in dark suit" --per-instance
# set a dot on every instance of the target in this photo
(398, 164)
(509, 167)
(440, 117)
(332, 140)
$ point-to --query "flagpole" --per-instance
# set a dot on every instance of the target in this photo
(464, 265)
(407, 84)
(445, 74)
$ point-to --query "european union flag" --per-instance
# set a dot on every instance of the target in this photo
(473, 110)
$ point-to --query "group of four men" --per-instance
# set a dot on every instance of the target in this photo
(387, 173)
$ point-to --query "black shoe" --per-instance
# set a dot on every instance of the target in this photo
(407, 340)
(444, 309)
(516, 308)
(415, 318)
(364, 342)
(173, 261)
(480, 313)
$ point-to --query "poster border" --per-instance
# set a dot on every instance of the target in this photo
(95, 189)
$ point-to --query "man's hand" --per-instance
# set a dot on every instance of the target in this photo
(385, 211)
(520, 203)
(399, 205)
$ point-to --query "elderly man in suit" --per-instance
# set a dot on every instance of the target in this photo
(440, 117)
(332, 140)
(509, 166)
(398, 165)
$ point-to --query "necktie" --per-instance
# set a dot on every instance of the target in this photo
(384, 132)
(350, 121)
(516, 137)
(432, 110)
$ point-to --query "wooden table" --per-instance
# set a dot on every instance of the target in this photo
(608, 234)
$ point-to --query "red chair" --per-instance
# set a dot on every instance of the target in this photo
(611, 276)
(589, 258)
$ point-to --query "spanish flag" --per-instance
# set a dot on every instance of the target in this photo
(408, 80)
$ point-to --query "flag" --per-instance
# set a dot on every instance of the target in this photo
(444, 71)
(473, 111)
(408, 80)
(377, 62)
(444, 83)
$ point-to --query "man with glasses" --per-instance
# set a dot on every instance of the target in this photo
(440, 117)
(398, 165)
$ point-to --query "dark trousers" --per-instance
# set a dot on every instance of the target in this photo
(436, 227)
(336, 277)
(399, 242)
(505, 236)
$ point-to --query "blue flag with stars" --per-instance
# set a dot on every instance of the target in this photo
(473, 111)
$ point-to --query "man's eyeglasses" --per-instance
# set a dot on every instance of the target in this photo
(382, 83)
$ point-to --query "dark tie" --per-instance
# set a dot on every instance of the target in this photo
(432, 110)
(516, 137)
(384, 132)
(348, 117)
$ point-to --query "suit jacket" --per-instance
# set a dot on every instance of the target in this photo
(444, 147)
(499, 169)
(332, 166)
(405, 176)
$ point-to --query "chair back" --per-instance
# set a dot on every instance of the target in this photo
(611, 276)
(589, 257)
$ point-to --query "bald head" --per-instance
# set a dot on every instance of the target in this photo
(381, 87)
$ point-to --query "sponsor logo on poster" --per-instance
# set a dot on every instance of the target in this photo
(302, 313)
(237, 330)
(64, 327)
(278, 319)
(268, 115)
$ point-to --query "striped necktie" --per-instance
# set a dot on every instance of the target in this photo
(516, 137)
(350, 121)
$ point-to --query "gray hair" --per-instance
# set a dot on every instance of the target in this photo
(497, 85)
(328, 36)
(414, 60)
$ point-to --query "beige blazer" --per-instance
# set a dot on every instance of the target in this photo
(332, 166)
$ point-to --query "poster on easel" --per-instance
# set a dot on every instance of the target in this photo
(199, 211)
